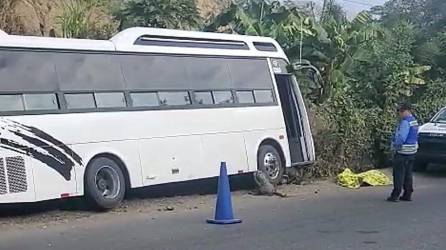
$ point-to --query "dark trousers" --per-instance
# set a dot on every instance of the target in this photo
(402, 175)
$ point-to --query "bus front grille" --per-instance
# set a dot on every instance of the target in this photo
(2, 177)
(16, 172)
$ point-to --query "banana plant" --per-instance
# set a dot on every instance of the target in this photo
(262, 18)
(335, 49)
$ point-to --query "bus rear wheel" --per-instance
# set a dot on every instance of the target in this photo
(104, 183)
(270, 162)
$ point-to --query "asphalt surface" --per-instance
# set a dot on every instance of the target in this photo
(330, 219)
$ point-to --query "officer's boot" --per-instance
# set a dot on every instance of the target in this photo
(406, 197)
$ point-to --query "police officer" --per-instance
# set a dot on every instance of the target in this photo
(404, 147)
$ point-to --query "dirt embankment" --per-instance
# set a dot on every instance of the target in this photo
(29, 17)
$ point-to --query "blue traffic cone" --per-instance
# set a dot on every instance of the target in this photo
(223, 212)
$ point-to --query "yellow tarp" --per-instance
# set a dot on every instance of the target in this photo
(349, 179)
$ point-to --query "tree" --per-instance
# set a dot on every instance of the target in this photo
(332, 10)
(173, 14)
(433, 52)
(428, 18)
(395, 11)
(427, 15)
(434, 18)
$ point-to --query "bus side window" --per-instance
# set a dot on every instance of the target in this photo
(203, 97)
(174, 98)
(245, 97)
(264, 96)
(144, 99)
(223, 97)
(11, 103)
(40, 102)
(110, 100)
(80, 101)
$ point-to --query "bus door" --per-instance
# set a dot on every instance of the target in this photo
(292, 115)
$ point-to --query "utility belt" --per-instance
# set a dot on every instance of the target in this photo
(408, 149)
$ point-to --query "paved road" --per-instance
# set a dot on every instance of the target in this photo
(329, 220)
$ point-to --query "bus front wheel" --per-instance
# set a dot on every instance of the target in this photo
(104, 183)
(270, 162)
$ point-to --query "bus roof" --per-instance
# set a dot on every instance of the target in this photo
(153, 40)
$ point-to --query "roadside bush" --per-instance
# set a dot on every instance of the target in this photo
(342, 139)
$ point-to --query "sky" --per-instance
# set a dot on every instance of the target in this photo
(352, 7)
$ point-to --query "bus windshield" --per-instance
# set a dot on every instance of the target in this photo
(440, 117)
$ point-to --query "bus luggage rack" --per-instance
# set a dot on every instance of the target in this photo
(186, 42)
(12, 175)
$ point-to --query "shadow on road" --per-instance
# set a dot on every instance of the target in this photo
(434, 171)
(204, 186)
(12, 210)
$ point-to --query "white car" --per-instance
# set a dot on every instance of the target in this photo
(432, 141)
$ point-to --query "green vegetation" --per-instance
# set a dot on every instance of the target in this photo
(75, 18)
(367, 65)
(86, 19)
(172, 14)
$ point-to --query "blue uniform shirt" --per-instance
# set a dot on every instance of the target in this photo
(406, 136)
(401, 134)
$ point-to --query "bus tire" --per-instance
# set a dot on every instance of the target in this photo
(270, 162)
(104, 183)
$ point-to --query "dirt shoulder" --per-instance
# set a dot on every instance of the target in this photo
(50, 214)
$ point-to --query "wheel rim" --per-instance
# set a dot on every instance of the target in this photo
(107, 182)
(272, 165)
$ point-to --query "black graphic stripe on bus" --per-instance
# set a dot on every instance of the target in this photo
(41, 134)
(55, 153)
(63, 168)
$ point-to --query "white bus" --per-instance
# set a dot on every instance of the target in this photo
(147, 107)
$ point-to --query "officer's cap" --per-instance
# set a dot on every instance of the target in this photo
(404, 106)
